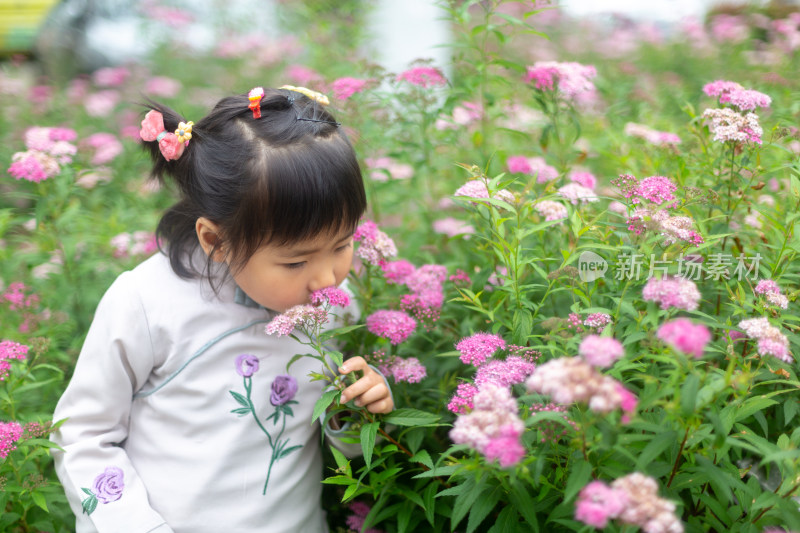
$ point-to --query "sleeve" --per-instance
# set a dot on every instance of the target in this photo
(102, 486)
(334, 436)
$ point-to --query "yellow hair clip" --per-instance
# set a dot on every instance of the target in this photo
(314, 95)
(184, 131)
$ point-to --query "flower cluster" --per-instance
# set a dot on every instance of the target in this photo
(479, 347)
(553, 431)
(533, 166)
(344, 88)
(730, 92)
(587, 179)
(632, 500)
(572, 379)
(332, 296)
(453, 227)
(493, 427)
(306, 316)
(504, 372)
(138, 243)
(105, 146)
(423, 77)
(655, 137)
(570, 79)
(16, 297)
(551, 210)
(478, 189)
(769, 338)
(601, 352)
(463, 115)
(677, 292)
(375, 247)
(672, 228)
(396, 326)
(728, 125)
(685, 336)
(384, 168)
(597, 321)
(10, 433)
(772, 292)
(10, 350)
(409, 369)
(577, 193)
(355, 521)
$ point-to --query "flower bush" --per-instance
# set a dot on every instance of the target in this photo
(578, 271)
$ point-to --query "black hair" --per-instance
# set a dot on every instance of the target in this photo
(288, 176)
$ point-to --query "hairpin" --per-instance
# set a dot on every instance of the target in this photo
(314, 95)
(170, 144)
(255, 95)
(319, 120)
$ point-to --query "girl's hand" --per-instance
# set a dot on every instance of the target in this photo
(370, 391)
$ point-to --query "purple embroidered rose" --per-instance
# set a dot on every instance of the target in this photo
(108, 485)
(283, 389)
(246, 365)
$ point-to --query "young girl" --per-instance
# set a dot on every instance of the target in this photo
(181, 415)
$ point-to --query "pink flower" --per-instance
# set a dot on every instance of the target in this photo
(33, 166)
(518, 164)
(162, 86)
(656, 189)
(396, 326)
(728, 125)
(452, 227)
(9, 351)
(599, 351)
(460, 278)
(769, 338)
(514, 369)
(298, 317)
(462, 400)
(570, 79)
(10, 433)
(745, 99)
(597, 503)
(721, 87)
(542, 170)
(302, 75)
(686, 336)
(397, 271)
(644, 508)
(110, 76)
(577, 193)
(598, 321)
(387, 165)
(423, 77)
(375, 247)
(101, 103)
(477, 348)
(675, 292)
(551, 210)
(344, 88)
(586, 179)
(333, 296)
(105, 145)
(478, 189)
(356, 520)
(506, 448)
(409, 370)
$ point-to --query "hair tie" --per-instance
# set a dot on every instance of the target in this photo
(314, 95)
(170, 144)
(255, 95)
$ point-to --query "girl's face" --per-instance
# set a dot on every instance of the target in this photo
(280, 277)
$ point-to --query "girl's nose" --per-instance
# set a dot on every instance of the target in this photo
(324, 277)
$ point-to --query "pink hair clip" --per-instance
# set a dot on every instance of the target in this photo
(170, 144)
(255, 95)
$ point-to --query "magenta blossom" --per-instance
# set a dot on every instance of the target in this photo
(10, 433)
(423, 77)
(344, 88)
(374, 246)
(686, 336)
(599, 351)
(477, 348)
(506, 448)
(396, 326)
(598, 503)
(462, 400)
(299, 316)
(334, 296)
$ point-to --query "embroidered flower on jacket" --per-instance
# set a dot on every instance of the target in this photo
(246, 365)
(284, 388)
(107, 488)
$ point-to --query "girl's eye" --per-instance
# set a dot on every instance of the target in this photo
(292, 266)
(343, 248)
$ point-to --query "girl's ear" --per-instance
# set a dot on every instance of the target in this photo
(209, 236)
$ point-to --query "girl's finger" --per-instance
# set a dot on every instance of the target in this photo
(372, 395)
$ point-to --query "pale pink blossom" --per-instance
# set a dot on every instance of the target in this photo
(598, 503)
(644, 507)
(505, 448)
(577, 193)
(106, 147)
(600, 352)
(409, 370)
(770, 340)
(305, 316)
(452, 227)
(583, 178)
(162, 86)
(494, 416)
(670, 292)
(397, 271)
(570, 79)
(375, 247)
(344, 88)
(33, 166)
(551, 210)
(110, 76)
(303, 75)
(728, 125)
(393, 168)
(477, 189)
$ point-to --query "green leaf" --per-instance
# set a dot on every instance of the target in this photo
(336, 357)
(239, 398)
(689, 395)
(423, 457)
(341, 460)
(522, 501)
(38, 499)
(657, 445)
(578, 478)
(429, 500)
(410, 417)
(322, 404)
(368, 433)
(329, 334)
(287, 451)
(523, 322)
(241, 411)
(464, 501)
(507, 520)
(89, 504)
(339, 480)
(482, 508)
